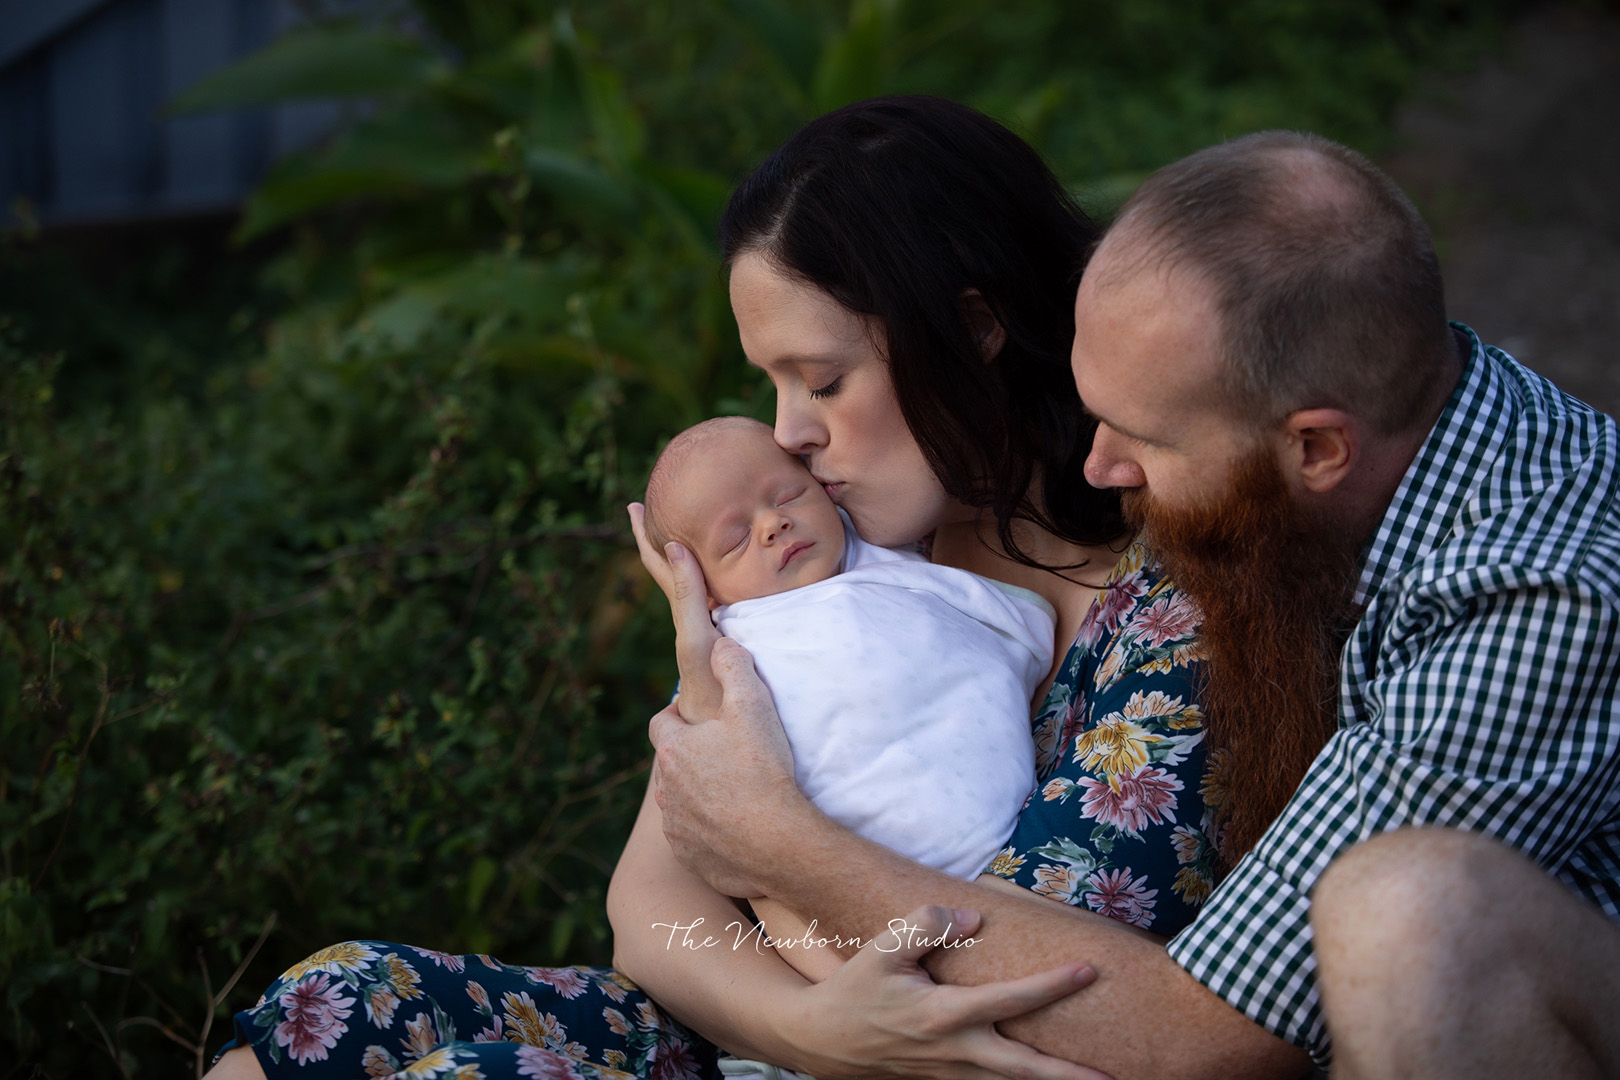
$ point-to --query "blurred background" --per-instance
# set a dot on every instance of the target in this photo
(335, 336)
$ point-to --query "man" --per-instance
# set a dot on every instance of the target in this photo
(1319, 459)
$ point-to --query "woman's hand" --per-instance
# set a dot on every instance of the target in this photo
(881, 1014)
(726, 788)
(678, 574)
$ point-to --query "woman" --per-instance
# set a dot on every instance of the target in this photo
(903, 271)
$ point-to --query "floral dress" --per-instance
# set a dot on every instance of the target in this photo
(1118, 821)
(376, 1009)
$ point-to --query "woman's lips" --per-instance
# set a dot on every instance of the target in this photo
(831, 487)
(794, 550)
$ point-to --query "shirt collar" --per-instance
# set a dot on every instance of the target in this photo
(1466, 438)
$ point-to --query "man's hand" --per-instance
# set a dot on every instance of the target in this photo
(726, 787)
(881, 1014)
(681, 578)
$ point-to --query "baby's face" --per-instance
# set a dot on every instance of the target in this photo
(756, 519)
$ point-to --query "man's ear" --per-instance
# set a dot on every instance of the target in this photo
(1320, 448)
(982, 323)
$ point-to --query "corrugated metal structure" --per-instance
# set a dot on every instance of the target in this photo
(83, 84)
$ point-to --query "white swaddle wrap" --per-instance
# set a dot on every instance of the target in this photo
(905, 691)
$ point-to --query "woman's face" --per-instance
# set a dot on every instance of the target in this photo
(836, 406)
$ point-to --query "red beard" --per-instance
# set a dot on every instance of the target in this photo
(1275, 587)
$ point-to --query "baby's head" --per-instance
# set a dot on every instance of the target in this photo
(751, 513)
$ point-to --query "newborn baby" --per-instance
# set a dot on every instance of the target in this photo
(904, 687)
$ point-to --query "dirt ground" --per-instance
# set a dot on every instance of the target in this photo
(1517, 168)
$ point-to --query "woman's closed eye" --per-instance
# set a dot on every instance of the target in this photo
(827, 391)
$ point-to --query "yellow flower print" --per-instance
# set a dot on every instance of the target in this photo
(526, 1024)
(1058, 882)
(1190, 717)
(378, 1062)
(616, 1022)
(1056, 788)
(1006, 863)
(479, 995)
(1115, 745)
(615, 987)
(1154, 705)
(1190, 653)
(1186, 840)
(420, 1037)
(1110, 668)
(1193, 885)
(1213, 789)
(429, 1065)
(403, 977)
(335, 959)
(647, 1016)
(380, 1006)
(615, 1059)
(468, 1072)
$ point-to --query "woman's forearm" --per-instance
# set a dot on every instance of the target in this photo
(689, 948)
(1144, 1017)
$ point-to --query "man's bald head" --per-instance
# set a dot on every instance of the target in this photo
(1324, 276)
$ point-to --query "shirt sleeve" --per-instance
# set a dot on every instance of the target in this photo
(1478, 701)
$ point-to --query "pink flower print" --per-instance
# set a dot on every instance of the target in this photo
(314, 1012)
(1169, 618)
(1113, 604)
(568, 982)
(647, 1016)
(545, 1064)
(444, 960)
(1074, 718)
(491, 1034)
(674, 1061)
(1132, 801)
(1117, 895)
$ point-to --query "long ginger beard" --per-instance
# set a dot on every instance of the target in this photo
(1275, 587)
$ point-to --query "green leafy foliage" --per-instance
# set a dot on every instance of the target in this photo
(317, 607)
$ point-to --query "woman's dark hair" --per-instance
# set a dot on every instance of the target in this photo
(895, 208)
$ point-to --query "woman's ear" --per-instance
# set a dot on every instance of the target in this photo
(982, 324)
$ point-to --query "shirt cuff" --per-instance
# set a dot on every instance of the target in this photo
(1251, 946)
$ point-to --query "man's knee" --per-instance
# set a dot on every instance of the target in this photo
(1419, 879)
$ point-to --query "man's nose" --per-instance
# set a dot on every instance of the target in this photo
(1109, 466)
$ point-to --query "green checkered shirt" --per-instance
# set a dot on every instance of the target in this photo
(1481, 688)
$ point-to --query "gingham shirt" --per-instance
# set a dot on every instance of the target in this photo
(1481, 688)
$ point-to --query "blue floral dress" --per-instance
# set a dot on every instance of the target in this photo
(1118, 821)
(1120, 817)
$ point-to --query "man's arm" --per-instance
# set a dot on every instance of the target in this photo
(732, 812)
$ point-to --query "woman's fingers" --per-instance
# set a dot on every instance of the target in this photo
(651, 558)
(967, 1015)
(681, 579)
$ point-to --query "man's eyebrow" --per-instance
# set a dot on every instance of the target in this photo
(1115, 427)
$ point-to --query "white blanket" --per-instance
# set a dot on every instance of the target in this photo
(905, 690)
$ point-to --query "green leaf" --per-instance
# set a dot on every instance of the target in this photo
(341, 60)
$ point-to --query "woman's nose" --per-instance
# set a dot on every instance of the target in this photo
(797, 431)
